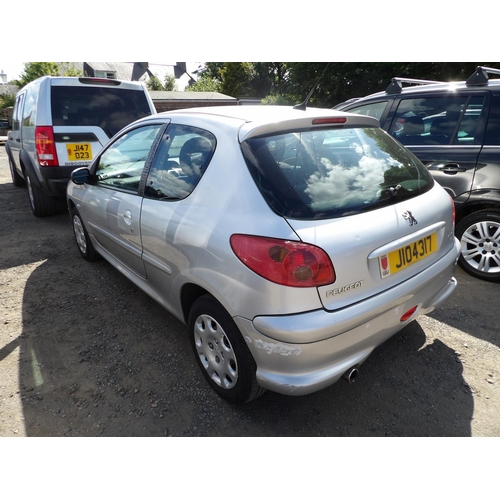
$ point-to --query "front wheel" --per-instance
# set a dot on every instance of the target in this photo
(221, 352)
(82, 238)
(479, 235)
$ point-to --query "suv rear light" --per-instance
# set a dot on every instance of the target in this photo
(285, 262)
(99, 81)
(46, 147)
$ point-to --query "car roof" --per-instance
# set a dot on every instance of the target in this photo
(265, 120)
(86, 81)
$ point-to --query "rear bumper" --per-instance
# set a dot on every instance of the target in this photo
(55, 180)
(333, 342)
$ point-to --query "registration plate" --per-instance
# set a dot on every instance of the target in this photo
(79, 152)
(414, 252)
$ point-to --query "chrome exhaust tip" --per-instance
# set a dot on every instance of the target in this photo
(351, 375)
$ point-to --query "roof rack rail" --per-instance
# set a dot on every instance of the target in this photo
(480, 76)
(395, 87)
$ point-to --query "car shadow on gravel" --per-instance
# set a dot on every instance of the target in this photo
(100, 358)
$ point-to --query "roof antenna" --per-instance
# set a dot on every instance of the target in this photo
(302, 106)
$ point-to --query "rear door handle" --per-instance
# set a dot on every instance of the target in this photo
(452, 168)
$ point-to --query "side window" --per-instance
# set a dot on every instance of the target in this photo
(29, 110)
(437, 120)
(375, 109)
(17, 112)
(121, 165)
(180, 161)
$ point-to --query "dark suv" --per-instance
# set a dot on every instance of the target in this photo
(454, 129)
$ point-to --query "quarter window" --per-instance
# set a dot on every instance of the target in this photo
(375, 109)
(121, 165)
(17, 113)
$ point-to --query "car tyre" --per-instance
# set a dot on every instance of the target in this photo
(41, 204)
(479, 235)
(83, 242)
(17, 180)
(221, 352)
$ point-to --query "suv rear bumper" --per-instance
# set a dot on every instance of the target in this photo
(347, 339)
(55, 180)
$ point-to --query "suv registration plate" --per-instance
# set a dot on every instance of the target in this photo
(79, 152)
(400, 259)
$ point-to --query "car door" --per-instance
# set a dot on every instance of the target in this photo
(112, 203)
(487, 179)
(170, 213)
(446, 134)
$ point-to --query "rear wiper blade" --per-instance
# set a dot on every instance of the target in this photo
(394, 190)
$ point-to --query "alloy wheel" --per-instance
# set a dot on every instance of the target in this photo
(481, 246)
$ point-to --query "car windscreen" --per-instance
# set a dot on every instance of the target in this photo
(108, 108)
(328, 173)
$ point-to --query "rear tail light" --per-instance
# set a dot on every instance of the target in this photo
(285, 262)
(46, 147)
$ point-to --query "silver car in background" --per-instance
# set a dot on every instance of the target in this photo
(290, 242)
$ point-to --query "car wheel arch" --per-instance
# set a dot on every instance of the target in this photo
(478, 205)
(190, 292)
(27, 167)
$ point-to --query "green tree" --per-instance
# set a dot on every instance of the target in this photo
(291, 82)
(154, 83)
(204, 83)
(343, 81)
(7, 100)
(236, 77)
(34, 70)
(276, 99)
(170, 83)
(72, 71)
(250, 79)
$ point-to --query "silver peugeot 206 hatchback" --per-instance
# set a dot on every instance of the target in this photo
(290, 242)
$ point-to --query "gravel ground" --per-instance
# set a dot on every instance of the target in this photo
(83, 352)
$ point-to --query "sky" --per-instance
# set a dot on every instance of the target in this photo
(13, 70)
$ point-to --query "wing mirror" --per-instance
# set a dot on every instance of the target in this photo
(81, 176)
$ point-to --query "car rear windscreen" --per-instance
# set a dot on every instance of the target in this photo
(320, 174)
(108, 108)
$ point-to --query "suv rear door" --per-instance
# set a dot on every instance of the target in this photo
(87, 112)
(452, 135)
